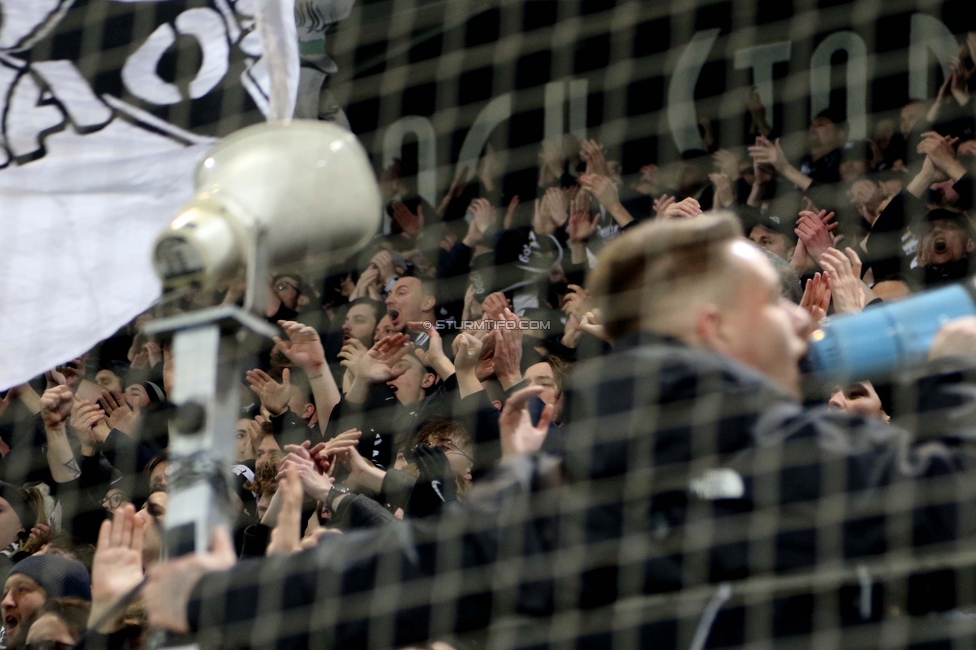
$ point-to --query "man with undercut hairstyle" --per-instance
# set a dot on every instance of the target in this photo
(362, 317)
(411, 300)
(691, 465)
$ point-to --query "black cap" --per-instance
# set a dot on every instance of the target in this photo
(776, 223)
(940, 214)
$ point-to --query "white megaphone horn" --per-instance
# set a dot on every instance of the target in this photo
(271, 195)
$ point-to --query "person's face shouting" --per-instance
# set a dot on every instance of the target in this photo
(22, 598)
(407, 303)
(945, 242)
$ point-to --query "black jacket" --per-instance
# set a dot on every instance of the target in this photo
(684, 471)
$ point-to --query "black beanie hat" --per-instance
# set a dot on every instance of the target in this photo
(155, 393)
(15, 497)
(58, 575)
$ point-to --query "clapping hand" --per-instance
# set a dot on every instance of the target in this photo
(844, 274)
(287, 534)
(582, 224)
(683, 209)
(596, 158)
(121, 416)
(273, 396)
(518, 434)
(379, 365)
(601, 188)
(117, 565)
(411, 224)
(816, 297)
(815, 231)
(303, 347)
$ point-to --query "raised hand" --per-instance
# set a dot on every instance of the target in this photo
(303, 347)
(287, 534)
(726, 163)
(485, 367)
(661, 204)
(576, 302)
(54, 378)
(683, 209)
(324, 452)
(350, 353)
(483, 217)
(121, 416)
(518, 435)
(592, 323)
(582, 224)
(154, 353)
(433, 356)
(379, 364)
(595, 156)
(601, 188)
(56, 403)
(558, 201)
(800, 261)
(938, 149)
(273, 396)
(384, 264)
(484, 214)
(472, 307)
(816, 297)
(88, 422)
(814, 230)
(768, 153)
(844, 273)
(363, 475)
(368, 284)
(467, 351)
(117, 565)
(494, 305)
(724, 196)
(411, 224)
(508, 351)
(312, 479)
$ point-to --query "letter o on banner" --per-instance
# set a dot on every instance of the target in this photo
(857, 80)
(204, 24)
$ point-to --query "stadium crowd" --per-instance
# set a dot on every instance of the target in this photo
(490, 345)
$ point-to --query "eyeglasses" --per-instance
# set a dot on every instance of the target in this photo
(48, 645)
(453, 447)
(282, 286)
(113, 501)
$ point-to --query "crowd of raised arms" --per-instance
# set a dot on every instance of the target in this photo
(449, 346)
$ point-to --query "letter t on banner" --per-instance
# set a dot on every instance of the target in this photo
(761, 59)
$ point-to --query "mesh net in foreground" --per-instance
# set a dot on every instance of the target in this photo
(690, 505)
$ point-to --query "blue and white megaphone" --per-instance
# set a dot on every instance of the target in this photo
(880, 341)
